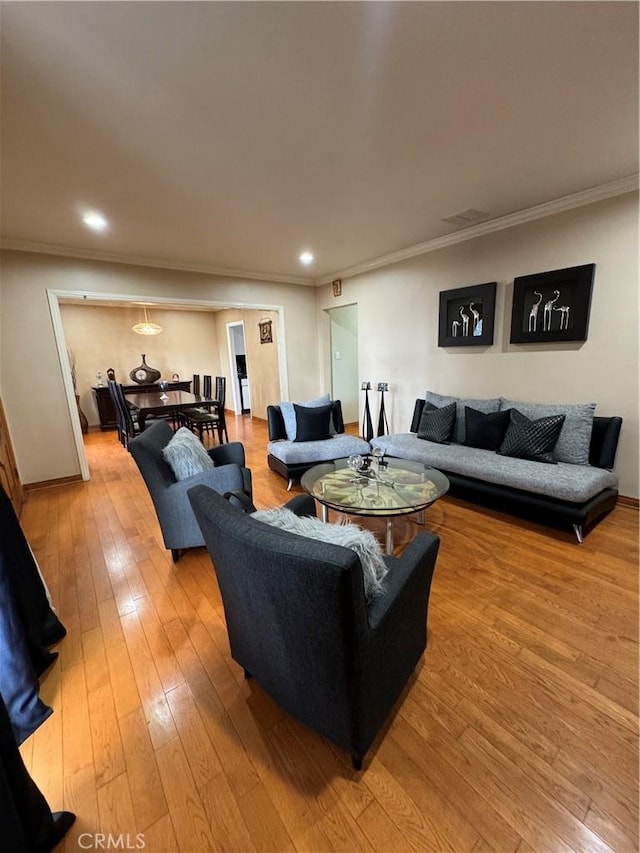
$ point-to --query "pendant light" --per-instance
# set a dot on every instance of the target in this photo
(146, 328)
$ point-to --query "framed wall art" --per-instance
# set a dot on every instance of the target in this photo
(266, 332)
(466, 316)
(552, 306)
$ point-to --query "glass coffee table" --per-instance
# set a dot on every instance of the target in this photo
(398, 487)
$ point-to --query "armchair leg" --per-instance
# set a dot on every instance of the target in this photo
(175, 554)
(577, 529)
(247, 674)
(356, 761)
(290, 484)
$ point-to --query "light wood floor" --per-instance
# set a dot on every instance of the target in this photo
(519, 731)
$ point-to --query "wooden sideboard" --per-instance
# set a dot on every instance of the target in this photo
(104, 403)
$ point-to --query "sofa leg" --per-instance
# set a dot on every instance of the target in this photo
(175, 554)
(356, 761)
(577, 529)
(247, 674)
(290, 484)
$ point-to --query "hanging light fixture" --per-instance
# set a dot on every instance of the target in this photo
(146, 328)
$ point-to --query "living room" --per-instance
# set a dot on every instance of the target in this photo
(588, 214)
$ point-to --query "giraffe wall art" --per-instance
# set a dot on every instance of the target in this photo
(552, 306)
(467, 315)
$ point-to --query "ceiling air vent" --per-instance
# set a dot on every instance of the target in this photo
(466, 217)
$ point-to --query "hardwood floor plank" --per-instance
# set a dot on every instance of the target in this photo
(147, 793)
(158, 715)
(185, 805)
(81, 798)
(266, 830)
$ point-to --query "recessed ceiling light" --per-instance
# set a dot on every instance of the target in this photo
(306, 258)
(95, 221)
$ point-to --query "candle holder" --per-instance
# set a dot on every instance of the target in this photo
(383, 425)
(367, 423)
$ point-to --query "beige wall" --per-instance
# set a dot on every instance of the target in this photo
(31, 374)
(101, 337)
(398, 322)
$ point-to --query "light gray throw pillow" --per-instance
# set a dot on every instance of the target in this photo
(363, 542)
(289, 414)
(186, 454)
(487, 406)
(575, 437)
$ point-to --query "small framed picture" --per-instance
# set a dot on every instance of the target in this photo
(337, 287)
(466, 316)
(552, 306)
(266, 332)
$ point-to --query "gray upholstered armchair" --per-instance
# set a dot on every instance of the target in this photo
(299, 623)
(177, 523)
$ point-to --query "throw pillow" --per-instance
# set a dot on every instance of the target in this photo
(533, 440)
(575, 437)
(485, 431)
(312, 423)
(289, 415)
(436, 424)
(186, 454)
(363, 542)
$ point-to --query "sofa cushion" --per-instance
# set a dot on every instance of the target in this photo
(535, 440)
(186, 454)
(575, 435)
(302, 452)
(312, 422)
(491, 404)
(289, 413)
(577, 483)
(347, 535)
(485, 431)
(436, 423)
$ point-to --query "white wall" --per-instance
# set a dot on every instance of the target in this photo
(398, 321)
(31, 375)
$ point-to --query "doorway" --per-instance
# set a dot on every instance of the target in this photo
(238, 368)
(343, 324)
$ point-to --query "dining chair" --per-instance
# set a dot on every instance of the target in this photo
(202, 420)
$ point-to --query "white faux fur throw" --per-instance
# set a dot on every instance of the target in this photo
(347, 535)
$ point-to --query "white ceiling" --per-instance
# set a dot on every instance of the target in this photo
(231, 136)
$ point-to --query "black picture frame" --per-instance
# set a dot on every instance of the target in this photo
(458, 325)
(552, 306)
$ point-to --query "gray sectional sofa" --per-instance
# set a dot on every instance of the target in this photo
(576, 491)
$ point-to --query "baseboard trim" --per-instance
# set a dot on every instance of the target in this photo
(625, 500)
(52, 484)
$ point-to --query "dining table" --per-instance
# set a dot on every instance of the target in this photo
(170, 402)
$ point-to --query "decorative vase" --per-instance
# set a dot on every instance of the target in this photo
(144, 374)
(84, 423)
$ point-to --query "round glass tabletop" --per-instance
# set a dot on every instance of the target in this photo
(398, 487)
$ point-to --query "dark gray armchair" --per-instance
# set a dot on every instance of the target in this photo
(299, 623)
(177, 523)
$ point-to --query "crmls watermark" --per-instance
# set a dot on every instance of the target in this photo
(102, 841)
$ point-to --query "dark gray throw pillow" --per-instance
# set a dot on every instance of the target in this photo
(533, 440)
(436, 424)
(486, 431)
(313, 423)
